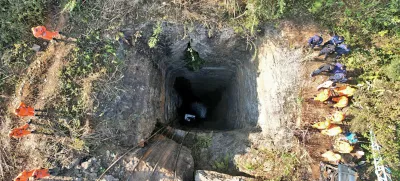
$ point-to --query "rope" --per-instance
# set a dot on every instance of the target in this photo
(158, 160)
(102, 175)
(179, 152)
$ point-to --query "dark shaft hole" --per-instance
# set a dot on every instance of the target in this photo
(192, 103)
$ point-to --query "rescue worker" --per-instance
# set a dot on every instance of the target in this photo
(41, 32)
(21, 131)
(333, 130)
(24, 175)
(323, 95)
(327, 50)
(337, 117)
(338, 77)
(338, 69)
(24, 110)
(341, 101)
(345, 91)
(326, 85)
(335, 40)
(42, 173)
(343, 147)
(189, 117)
(351, 137)
(315, 40)
(331, 156)
(342, 49)
(358, 154)
(322, 125)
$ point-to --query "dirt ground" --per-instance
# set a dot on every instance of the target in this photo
(311, 111)
(38, 88)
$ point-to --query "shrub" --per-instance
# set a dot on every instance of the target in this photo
(92, 54)
(17, 18)
(256, 12)
(393, 70)
(372, 28)
(377, 107)
(154, 38)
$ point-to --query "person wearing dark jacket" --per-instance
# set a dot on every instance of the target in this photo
(338, 70)
(342, 49)
(335, 40)
(327, 50)
(316, 40)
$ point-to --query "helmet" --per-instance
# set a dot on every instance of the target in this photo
(339, 65)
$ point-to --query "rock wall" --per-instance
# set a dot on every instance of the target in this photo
(277, 89)
(258, 83)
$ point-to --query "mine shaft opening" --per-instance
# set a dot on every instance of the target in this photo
(197, 107)
(210, 87)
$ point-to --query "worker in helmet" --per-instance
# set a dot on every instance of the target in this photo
(323, 95)
(345, 91)
(341, 101)
(327, 50)
(322, 125)
(23, 110)
(341, 49)
(190, 117)
(338, 70)
(42, 173)
(41, 32)
(335, 39)
(24, 175)
(315, 40)
(331, 156)
(337, 117)
(326, 85)
(342, 146)
(333, 130)
(21, 131)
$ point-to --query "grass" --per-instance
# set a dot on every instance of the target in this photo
(156, 32)
(17, 17)
(193, 60)
(372, 30)
(70, 6)
(199, 146)
(222, 165)
(202, 141)
(269, 164)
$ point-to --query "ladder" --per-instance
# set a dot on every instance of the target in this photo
(380, 169)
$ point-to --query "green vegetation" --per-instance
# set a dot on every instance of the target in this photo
(255, 12)
(372, 28)
(92, 54)
(269, 164)
(16, 38)
(202, 142)
(200, 145)
(222, 165)
(194, 62)
(70, 6)
(156, 32)
(17, 18)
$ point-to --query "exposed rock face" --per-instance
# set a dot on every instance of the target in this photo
(257, 90)
(277, 89)
(160, 162)
(142, 94)
(130, 103)
(205, 175)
